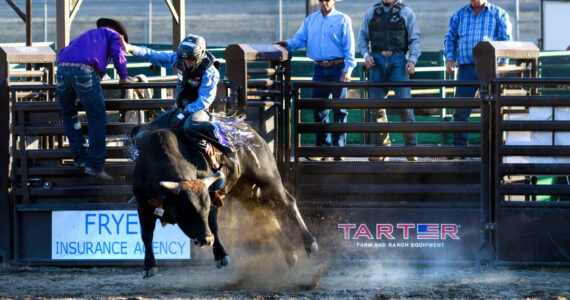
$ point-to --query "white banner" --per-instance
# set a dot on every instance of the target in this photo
(111, 234)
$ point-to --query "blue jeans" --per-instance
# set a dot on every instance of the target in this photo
(332, 73)
(73, 83)
(465, 72)
(391, 68)
(197, 121)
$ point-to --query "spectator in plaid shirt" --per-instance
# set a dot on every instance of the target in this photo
(473, 23)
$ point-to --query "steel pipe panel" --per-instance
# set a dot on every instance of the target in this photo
(266, 71)
(534, 169)
(391, 84)
(389, 151)
(534, 125)
(263, 82)
(264, 93)
(554, 189)
(313, 103)
(532, 81)
(110, 104)
(74, 171)
(389, 188)
(534, 150)
(112, 128)
(389, 168)
(91, 190)
(539, 101)
(389, 127)
(65, 153)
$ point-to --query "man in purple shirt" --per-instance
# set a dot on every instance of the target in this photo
(81, 65)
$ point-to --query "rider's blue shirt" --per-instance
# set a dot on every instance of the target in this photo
(210, 78)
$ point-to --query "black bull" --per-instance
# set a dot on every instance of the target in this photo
(171, 180)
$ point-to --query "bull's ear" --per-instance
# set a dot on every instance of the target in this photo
(172, 186)
(154, 202)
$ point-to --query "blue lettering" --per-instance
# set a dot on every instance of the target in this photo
(115, 251)
(155, 247)
(163, 248)
(139, 248)
(181, 246)
(129, 222)
(88, 248)
(103, 224)
(87, 222)
(123, 247)
(106, 247)
(72, 249)
(170, 248)
(79, 250)
(118, 222)
(98, 248)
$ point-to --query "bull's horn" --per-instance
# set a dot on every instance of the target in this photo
(212, 178)
(133, 200)
(172, 186)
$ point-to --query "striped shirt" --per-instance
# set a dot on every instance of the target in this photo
(466, 30)
(326, 38)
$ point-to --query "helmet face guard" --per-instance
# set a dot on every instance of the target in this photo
(192, 47)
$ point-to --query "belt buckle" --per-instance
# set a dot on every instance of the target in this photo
(387, 53)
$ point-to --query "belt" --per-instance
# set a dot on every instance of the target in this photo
(79, 65)
(387, 53)
(328, 63)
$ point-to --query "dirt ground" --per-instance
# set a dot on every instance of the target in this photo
(268, 278)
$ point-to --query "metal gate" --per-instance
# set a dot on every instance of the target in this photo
(542, 226)
(439, 209)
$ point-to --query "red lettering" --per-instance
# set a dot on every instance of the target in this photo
(449, 229)
(384, 229)
(406, 229)
(362, 231)
(347, 228)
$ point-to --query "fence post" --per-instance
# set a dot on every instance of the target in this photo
(486, 253)
(5, 207)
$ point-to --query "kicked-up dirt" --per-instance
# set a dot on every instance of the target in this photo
(267, 277)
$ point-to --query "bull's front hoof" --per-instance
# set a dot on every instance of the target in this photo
(291, 260)
(223, 262)
(313, 249)
(149, 273)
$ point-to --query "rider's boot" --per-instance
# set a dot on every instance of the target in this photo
(211, 154)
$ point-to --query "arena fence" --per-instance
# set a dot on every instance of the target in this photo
(456, 204)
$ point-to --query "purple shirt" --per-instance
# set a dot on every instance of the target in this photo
(96, 47)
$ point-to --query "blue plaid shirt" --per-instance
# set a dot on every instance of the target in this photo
(466, 30)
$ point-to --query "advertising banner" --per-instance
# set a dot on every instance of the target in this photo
(111, 234)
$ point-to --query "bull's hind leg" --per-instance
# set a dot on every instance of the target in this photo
(287, 202)
(220, 255)
(284, 243)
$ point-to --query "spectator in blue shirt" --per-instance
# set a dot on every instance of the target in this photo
(473, 23)
(195, 90)
(329, 39)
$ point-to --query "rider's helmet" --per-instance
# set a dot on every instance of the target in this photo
(191, 47)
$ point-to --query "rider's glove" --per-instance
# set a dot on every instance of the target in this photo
(181, 117)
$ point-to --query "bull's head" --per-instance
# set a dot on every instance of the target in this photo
(191, 206)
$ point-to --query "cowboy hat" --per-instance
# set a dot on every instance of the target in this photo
(118, 26)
